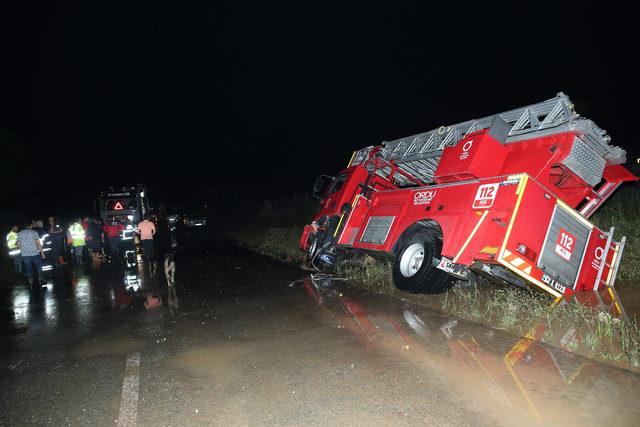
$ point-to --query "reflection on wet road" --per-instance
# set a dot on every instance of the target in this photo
(70, 306)
(246, 347)
(517, 379)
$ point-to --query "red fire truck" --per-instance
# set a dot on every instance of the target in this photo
(506, 196)
(126, 207)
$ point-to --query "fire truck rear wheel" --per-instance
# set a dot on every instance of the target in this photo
(414, 269)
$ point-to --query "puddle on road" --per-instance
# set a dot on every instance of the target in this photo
(213, 360)
(516, 380)
(110, 343)
(72, 304)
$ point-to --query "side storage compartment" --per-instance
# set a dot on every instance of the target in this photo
(566, 241)
(546, 240)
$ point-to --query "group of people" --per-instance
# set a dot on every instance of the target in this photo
(84, 239)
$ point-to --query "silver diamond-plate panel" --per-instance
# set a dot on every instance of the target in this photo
(585, 162)
(377, 229)
(552, 263)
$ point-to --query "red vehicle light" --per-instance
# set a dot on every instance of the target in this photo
(528, 253)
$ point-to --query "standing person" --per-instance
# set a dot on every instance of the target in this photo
(100, 225)
(31, 252)
(162, 239)
(77, 238)
(56, 234)
(14, 252)
(85, 223)
(93, 241)
(85, 226)
(146, 229)
(112, 230)
(38, 227)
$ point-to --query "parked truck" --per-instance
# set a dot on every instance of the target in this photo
(125, 207)
(507, 197)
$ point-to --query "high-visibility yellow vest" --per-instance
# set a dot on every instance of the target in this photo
(12, 240)
(77, 234)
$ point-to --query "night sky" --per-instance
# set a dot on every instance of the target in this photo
(266, 97)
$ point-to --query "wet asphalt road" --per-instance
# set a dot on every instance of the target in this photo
(248, 346)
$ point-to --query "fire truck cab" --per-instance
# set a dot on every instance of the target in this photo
(506, 196)
(126, 207)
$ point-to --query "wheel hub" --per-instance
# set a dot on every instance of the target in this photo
(412, 259)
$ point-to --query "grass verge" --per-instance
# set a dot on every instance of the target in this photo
(621, 212)
(376, 277)
(520, 312)
(571, 326)
(276, 242)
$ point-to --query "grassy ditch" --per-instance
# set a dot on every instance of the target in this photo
(375, 276)
(522, 312)
(518, 311)
(271, 227)
(276, 242)
(623, 213)
(571, 326)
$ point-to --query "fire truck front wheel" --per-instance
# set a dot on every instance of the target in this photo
(414, 269)
(313, 246)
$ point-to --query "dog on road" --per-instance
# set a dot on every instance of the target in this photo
(170, 272)
(169, 268)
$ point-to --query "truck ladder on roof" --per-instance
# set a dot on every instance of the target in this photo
(596, 198)
(419, 154)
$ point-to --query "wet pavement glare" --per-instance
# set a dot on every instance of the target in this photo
(258, 342)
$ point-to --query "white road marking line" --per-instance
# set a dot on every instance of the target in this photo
(129, 402)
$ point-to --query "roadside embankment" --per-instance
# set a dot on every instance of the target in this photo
(521, 312)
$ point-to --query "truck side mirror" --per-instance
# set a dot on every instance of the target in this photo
(320, 185)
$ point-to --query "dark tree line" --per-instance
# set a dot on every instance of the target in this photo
(19, 198)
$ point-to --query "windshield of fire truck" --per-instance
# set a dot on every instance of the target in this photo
(337, 184)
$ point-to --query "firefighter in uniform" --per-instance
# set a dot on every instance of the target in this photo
(76, 234)
(113, 229)
(14, 251)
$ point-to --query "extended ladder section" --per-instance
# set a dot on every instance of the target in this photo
(597, 197)
(419, 155)
(603, 288)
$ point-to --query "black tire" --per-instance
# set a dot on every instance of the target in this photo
(323, 239)
(313, 246)
(427, 278)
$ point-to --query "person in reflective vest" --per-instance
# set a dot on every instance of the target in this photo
(76, 239)
(12, 238)
(14, 251)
